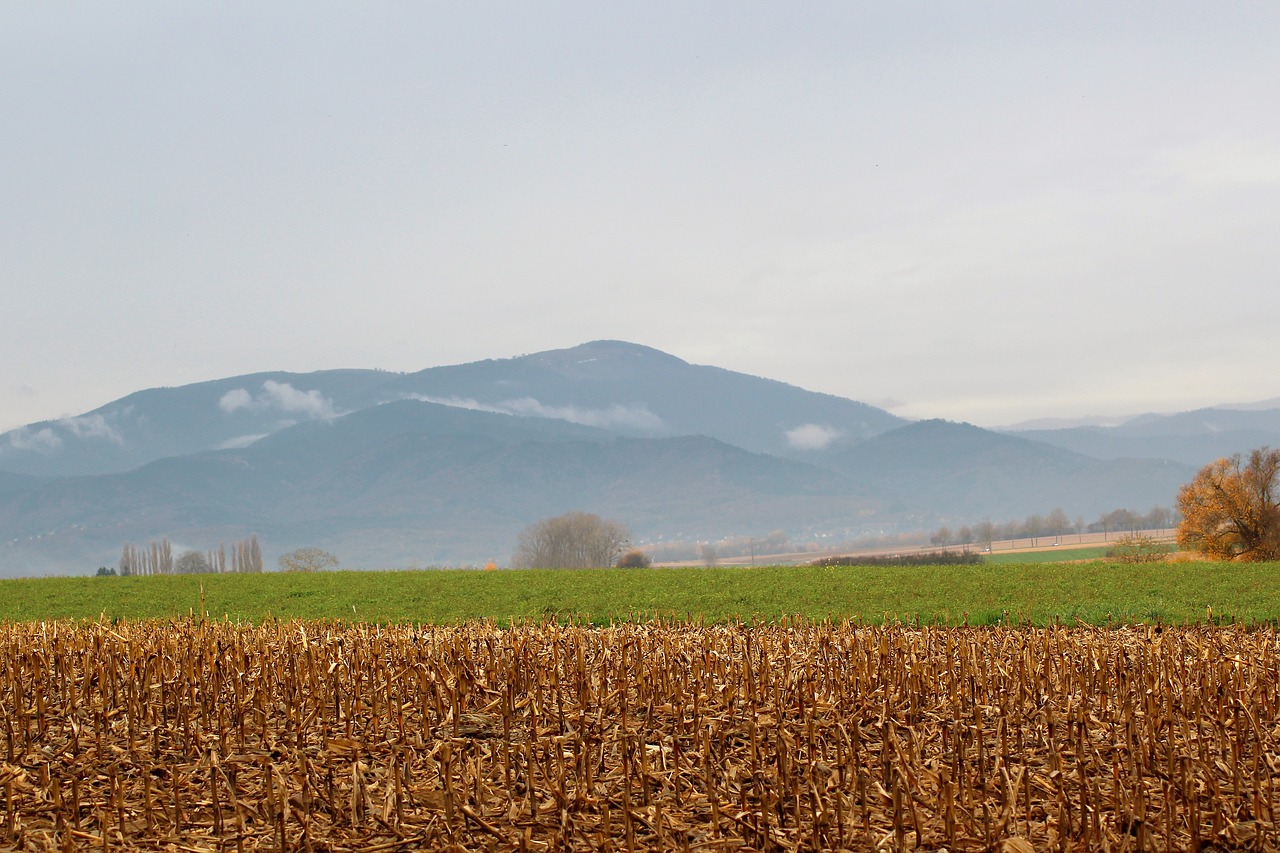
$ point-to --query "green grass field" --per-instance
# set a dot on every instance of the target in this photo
(1096, 593)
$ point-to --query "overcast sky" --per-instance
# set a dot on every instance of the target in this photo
(981, 211)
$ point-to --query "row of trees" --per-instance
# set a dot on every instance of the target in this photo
(744, 548)
(157, 559)
(242, 557)
(1056, 523)
(1230, 510)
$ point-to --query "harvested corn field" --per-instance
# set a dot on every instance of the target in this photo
(318, 737)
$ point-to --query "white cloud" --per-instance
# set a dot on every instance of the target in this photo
(239, 441)
(285, 397)
(635, 416)
(458, 403)
(237, 399)
(42, 440)
(280, 396)
(51, 437)
(812, 436)
(91, 426)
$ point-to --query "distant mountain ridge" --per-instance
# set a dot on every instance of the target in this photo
(627, 388)
(419, 483)
(445, 465)
(1195, 437)
(160, 422)
(951, 469)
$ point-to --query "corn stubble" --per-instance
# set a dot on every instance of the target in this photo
(290, 736)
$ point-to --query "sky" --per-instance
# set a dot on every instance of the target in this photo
(986, 212)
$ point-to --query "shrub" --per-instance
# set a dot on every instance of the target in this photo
(932, 558)
(636, 559)
(1138, 548)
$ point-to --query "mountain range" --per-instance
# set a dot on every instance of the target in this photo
(446, 465)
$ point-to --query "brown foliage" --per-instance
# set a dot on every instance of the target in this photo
(1230, 509)
(635, 559)
(290, 736)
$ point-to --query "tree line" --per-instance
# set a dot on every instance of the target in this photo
(1229, 511)
(157, 558)
(1056, 523)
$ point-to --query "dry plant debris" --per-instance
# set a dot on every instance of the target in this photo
(203, 736)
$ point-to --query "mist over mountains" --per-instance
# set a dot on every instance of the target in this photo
(446, 465)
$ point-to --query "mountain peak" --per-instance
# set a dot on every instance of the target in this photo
(606, 351)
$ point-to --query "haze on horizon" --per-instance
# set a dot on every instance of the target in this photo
(991, 212)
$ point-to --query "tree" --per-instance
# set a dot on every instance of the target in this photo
(1159, 518)
(192, 563)
(575, 540)
(246, 555)
(156, 559)
(778, 541)
(306, 560)
(1230, 509)
(1058, 522)
(985, 533)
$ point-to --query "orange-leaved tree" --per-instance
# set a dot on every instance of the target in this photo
(1230, 510)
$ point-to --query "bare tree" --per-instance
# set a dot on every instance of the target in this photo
(1160, 517)
(192, 563)
(129, 562)
(1058, 522)
(155, 559)
(246, 555)
(307, 560)
(161, 558)
(985, 533)
(575, 540)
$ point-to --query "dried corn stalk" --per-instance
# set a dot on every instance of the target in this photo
(658, 736)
